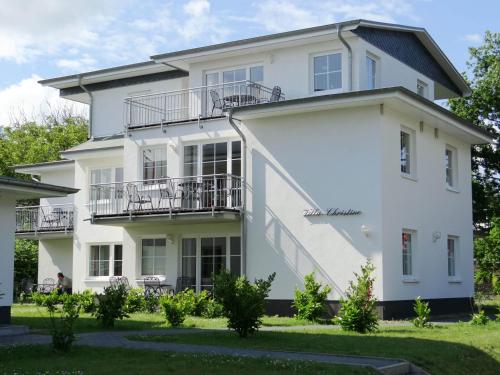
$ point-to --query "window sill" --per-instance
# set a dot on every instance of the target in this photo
(452, 189)
(409, 177)
(454, 281)
(97, 280)
(410, 280)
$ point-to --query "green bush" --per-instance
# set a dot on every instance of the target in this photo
(213, 309)
(479, 319)
(243, 302)
(38, 298)
(311, 303)
(87, 300)
(151, 303)
(195, 303)
(174, 308)
(423, 312)
(135, 300)
(357, 311)
(112, 305)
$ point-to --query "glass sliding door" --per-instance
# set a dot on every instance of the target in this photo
(212, 94)
(188, 264)
(214, 162)
(213, 259)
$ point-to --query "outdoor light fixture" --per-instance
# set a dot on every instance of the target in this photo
(172, 145)
(436, 235)
(365, 230)
(170, 239)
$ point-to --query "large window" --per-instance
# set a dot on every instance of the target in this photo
(154, 256)
(106, 260)
(118, 260)
(328, 72)
(188, 263)
(371, 72)
(213, 259)
(104, 177)
(154, 163)
(452, 257)
(408, 247)
(450, 156)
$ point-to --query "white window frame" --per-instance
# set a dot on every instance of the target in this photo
(163, 147)
(111, 260)
(247, 67)
(312, 72)
(456, 258)
(454, 169)
(412, 174)
(425, 88)
(198, 238)
(410, 277)
(139, 246)
(113, 169)
(376, 78)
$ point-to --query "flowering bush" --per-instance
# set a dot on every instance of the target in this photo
(357, 312)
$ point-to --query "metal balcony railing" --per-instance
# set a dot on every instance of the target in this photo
(207, 193)
(53, 218)
(195, 103)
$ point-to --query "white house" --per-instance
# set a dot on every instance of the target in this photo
(309, 150)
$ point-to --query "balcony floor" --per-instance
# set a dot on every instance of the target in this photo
(45, 233)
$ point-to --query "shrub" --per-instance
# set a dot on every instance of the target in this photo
(174, 308)
(311, 303)
(213, 309)
(111, 305)
(243, 303)
(151, 303)
(423, 312)
(87, 300)
(479, 319)
(135, 300)
(38, 298)
(357, 312)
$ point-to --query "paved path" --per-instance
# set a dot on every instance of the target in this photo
(117, 339)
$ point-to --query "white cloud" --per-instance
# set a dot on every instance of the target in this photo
(473, 38)
(84, 63)
(28, 99)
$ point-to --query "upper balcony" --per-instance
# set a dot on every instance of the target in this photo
(194, 198)
(52, 221)
(198, 103)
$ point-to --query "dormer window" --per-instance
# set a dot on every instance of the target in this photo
(371, 72)
(327, 72)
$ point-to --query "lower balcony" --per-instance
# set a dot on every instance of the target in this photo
(52, 221)
(195, 198)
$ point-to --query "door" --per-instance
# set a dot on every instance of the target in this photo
(212, 82)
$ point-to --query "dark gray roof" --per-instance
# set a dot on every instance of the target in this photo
(366, 93)
(15, 182)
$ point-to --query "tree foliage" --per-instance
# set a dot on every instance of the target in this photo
(482, 109)
(25, 260)
(487, 255)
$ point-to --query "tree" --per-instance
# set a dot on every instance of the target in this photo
(487, 254)
(25, 260)
(482, 109)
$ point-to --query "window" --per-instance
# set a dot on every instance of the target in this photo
(452, 257)
(154, 255)
(106, 260)
(235, 255)
(328, 72)
(450, 156)
(213, 259)
(406, 150)
(421, 88)
(104, 177)
(371, 70)
(257, 73)
(118, 261)
(408, 244)
(99, 260)
(189, 262)
(191, 160)
(154, 163)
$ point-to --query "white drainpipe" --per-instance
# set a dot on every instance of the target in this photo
(349, 55)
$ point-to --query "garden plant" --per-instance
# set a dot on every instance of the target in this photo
(311, 302)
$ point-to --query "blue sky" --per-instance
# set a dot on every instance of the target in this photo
(42, 39)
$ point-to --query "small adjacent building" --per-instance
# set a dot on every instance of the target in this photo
(11, 190)
(309, 150)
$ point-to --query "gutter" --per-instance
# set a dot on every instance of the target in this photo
(243, 240)
(349, 54)
(91, 97)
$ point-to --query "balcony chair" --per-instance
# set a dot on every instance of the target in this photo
(217, 102)
(275, 94)
(51, 220)
(114, 281)
(135, 198)
(168, 192)
(48, 285)
(153, 287)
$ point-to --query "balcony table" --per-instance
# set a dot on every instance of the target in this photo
(241, 99)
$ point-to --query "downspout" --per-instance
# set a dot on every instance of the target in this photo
(349, 55)
(243, 192)
(90, 105)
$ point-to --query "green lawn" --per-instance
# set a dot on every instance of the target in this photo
(37, 318)
(452, 349)
(85, 360)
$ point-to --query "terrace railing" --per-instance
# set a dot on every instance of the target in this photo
(195, 103)
(57, 217)
(207, 193)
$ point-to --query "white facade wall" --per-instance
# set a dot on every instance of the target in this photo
(424, 204)
(55, 255)
(61, 177)
(7, 229)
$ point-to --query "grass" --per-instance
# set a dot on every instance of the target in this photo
(86, 360)
(451, 349)
(37, 318)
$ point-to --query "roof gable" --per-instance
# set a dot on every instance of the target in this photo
(407, 48)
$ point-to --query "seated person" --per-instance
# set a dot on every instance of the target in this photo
(63, 283)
